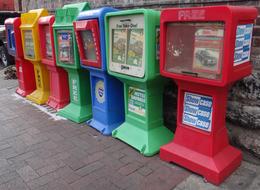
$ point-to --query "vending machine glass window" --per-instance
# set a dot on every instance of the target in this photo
(29, 44)
(11, 38)
(48, 50)
(89, 45)
(135, 47)
(65, 46)
(195, 49)
(127, 42)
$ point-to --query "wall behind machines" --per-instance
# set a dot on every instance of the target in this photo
(6, 5)
(243, 112)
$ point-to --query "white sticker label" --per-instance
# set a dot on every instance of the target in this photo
(243, 43)
(197, 111)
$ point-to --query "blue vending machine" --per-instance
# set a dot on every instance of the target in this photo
(106, 91)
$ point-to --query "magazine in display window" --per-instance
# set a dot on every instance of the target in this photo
(65, 47)
(29, 45)
(119, 38)
(135, 47)
(89, 45)
(208, 44)
(48, 43)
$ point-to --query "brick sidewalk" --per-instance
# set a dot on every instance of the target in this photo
(37, 152)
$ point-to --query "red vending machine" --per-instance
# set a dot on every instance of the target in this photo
(59, 88)
(205, 50)
(24, 69)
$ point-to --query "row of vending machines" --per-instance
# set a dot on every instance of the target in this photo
(105, 66)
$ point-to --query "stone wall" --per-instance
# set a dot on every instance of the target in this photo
(52, 5)
(244, 97)
(6, 5)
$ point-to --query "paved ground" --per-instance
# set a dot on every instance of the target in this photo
(38, 152)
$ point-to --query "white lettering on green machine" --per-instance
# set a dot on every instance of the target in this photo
(74, 90)
(136, 101)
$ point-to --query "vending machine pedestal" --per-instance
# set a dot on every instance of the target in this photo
(41, 94)
(78, 109)
(25, 76)
(59, 88)
(209, 155)
(146, 134)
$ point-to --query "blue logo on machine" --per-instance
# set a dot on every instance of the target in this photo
(100, 91)
(197, 111)
(64, 36)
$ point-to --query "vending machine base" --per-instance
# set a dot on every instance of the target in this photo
(79, 109)
(42, 92)
(148, 142)
(200, 147)
(59, 88)
(214, 169)
(143, 127)
(25, 75)
(104, 129)
(76, 113)
(107, 102)
(56, 103)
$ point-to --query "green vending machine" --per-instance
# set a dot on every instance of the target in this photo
(67, 56)
(132, 39)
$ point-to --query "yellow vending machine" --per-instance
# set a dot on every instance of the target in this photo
(31, 47)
